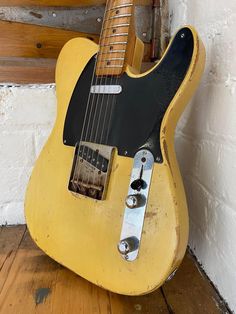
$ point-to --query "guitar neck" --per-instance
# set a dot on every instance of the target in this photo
(117, 39)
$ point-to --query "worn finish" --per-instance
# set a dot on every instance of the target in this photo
(54, 215)
(156, 90)
(32, 275)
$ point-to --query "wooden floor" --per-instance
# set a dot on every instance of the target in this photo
(31, 282)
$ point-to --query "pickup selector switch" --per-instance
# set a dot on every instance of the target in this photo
(138, 184)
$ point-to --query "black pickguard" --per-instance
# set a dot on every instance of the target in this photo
(131, 119)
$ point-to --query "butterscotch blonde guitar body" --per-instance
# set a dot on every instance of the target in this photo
(82, 233)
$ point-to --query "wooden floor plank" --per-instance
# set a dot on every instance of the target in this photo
(152, 303)
(27, 70)
(10, 238)
(37, 284)
(191, 292)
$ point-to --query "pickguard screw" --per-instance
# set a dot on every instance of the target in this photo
(182, 35)
(54, 14)
(99, 19)
(64, 141)
(126, 153)
(144, 34)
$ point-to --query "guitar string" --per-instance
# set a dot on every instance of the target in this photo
(111, 105)
(104, 108)
(76, 172)
(100, 78)
(104, 105)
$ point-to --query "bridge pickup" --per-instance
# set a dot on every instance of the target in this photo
(106, 89)
(93, 157)
(90, 170)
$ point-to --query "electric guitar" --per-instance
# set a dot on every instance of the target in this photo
(106, 198)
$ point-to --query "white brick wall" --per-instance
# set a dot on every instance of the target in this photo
(206, 142)
(26, 117)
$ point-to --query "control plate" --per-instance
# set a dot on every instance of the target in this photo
(132, 227)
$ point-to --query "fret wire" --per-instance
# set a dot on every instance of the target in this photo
(114, 59)
(115, 43)
(110, 66)
(112, 51)
(127, 5)
(120, 37)
(118, 17)
(117, 35)
(118, 25)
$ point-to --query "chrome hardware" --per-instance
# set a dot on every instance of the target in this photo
(136, 203)
(106, 89)
(117, 35)
(115, 43)
(131, 201)
(91, 170)
(112, 51)
(119, 16)
(172, 275)
(118, 25)
(127, 246)
(115, 59)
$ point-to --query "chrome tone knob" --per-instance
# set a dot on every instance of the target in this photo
(128, 245)
(135, 200)
(132, 201)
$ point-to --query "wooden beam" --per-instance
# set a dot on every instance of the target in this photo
(65, 3)
(27, 70)
(22, 40)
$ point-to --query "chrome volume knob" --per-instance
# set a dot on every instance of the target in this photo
(123, 247)
(128, 245)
